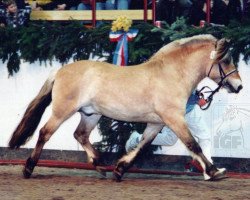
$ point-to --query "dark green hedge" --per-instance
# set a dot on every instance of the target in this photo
(45, 41)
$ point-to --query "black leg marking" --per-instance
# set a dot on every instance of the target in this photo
(211, 170)
(99, 166)
(120, 169)
(194, 147)
(28, 168)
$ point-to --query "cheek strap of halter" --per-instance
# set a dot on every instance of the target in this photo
(205, 103)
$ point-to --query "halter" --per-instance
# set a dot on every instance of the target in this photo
(202, 101)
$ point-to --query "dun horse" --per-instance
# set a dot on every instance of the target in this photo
(154, 92)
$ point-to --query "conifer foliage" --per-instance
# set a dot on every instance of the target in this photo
(46, 41)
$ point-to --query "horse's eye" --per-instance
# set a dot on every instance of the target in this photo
(227, 60)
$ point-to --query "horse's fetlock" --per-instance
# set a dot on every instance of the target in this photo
(211, 170)
(95, 161)
(120, 169)
(30, 163)
(124, 165)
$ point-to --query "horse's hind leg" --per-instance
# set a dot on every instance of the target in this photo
(81, 134)
(126, 161)
(45, 133)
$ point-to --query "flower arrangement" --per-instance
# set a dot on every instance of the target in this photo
(121, 23)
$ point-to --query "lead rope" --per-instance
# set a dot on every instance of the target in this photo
(205, 103)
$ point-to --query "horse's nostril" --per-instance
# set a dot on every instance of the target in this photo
(239, 88)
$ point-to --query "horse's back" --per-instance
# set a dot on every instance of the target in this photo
(78, 68)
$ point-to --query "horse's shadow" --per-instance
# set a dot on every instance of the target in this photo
(45, 177)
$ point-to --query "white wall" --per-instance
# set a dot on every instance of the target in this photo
(17, 92)
(228, 117)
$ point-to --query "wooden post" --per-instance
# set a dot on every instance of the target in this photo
(94, 13)
(145, 10)
(153, 10)
(208, 11)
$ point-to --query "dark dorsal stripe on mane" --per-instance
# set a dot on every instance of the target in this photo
(223, 53)
(222, 46)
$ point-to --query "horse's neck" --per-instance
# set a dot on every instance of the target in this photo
(191, 69)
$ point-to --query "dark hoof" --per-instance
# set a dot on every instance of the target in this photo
(99, 166)
(219, 175)
(26, 173)
(120, 169)
(102, 171)
(117, 175)
(118, 172)
(28, 168)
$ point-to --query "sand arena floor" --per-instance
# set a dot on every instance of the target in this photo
(74, 184)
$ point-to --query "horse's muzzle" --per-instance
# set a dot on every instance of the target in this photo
(239, 89)
(233, 88)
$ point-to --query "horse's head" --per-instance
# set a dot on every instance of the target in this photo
(223, 71)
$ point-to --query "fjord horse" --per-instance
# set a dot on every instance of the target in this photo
(155, 92)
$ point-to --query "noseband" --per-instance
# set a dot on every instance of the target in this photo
(202, 101)
(223, 75)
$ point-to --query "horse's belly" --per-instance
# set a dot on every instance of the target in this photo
(124, 115)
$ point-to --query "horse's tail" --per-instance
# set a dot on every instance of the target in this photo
(32, 115)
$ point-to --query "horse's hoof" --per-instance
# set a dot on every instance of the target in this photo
(102, 171)
(219, 175)
(117, 175)
(28, 168)
(120, 169)
(26, 173)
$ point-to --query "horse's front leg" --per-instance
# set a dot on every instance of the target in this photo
(127, 160)
(181, 130)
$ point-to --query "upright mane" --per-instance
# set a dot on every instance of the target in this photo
(222, 51)
(186, 44)
(196, 39)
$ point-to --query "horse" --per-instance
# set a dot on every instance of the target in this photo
(154, 92)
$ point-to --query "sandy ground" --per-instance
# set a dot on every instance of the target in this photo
(73, 184)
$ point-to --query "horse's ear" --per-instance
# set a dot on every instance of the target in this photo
(223, 43)
(222, 48)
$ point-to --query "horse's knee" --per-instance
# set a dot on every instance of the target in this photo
(76, 135)
(44, 135)
(80, 137)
